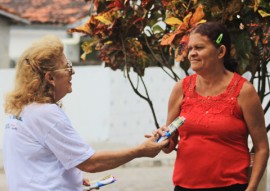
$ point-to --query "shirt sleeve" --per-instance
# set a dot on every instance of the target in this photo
(67, 145)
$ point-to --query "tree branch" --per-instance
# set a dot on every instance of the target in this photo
(174, 77)
(147, 97)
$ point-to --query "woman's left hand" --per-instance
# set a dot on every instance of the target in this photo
(86, 182)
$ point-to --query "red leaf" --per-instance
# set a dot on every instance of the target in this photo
(165, 2)
(145, 2)
(137, 20)
(117, 4)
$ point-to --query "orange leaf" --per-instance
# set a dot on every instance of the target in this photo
(83, 29)
(184, 40)
(187, 19)
(256, 5)
(197, 15)
(167, 39)
(180, 57)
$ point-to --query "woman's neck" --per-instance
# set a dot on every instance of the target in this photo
(213, 83)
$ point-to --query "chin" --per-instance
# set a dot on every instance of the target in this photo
(195, 69)
(198, 71)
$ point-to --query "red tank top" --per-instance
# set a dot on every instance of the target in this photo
(213, 149)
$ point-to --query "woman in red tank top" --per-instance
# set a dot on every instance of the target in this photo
(221, 109)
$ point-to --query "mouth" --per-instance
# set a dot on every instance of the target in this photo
(192, 61)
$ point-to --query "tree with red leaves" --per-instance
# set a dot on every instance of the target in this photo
(132, 34)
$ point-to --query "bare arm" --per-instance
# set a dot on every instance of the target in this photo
(254, 118)
(175, 101)
(105, 160)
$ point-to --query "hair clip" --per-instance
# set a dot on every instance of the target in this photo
(219, 39)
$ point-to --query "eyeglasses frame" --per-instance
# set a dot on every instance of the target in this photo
(69, 68)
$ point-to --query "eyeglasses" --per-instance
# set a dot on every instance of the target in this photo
(69, 68)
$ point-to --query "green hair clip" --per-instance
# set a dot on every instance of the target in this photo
(219, 39)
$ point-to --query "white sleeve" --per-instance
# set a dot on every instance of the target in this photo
(67, 145)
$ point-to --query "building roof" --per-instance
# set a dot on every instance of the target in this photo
(13, 17)
(47, 11)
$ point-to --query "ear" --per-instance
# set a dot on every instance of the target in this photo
(222, 51)
(49, 78)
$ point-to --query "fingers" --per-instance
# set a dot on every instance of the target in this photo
(160, 144)
(164, 143)
(161, 131)
(148, 136)
(154, 135)
(86, 182)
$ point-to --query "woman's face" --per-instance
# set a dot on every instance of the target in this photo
(203, 55)
(62, 78)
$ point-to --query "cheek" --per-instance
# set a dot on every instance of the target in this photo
(188, 56)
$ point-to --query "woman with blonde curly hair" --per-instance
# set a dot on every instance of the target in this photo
(31, 85)
(42, 151)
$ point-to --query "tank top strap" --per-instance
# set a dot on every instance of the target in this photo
(236, 85)
(189, 84)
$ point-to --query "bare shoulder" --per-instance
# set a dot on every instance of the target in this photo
(177, 93)
(175, 101)
(249, 99)
(248, 93)
(178, 86)
(248, 88)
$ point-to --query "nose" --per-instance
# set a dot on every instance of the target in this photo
(191, 53)
(73, 71)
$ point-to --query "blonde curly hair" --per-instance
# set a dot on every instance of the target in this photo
(30, 85)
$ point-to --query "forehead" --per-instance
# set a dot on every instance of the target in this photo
(62, 60)
(196, 38)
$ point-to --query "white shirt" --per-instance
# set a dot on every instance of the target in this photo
(42, 150)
